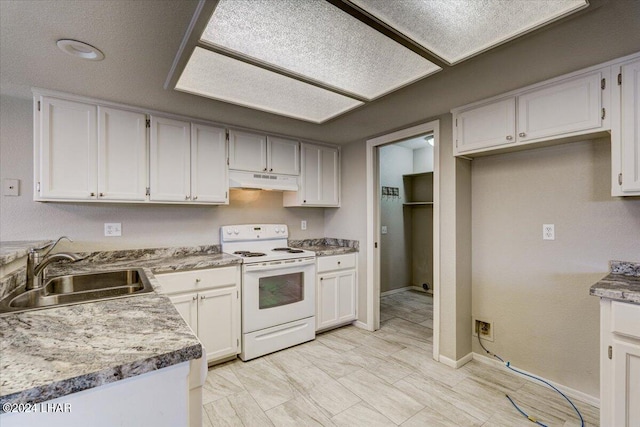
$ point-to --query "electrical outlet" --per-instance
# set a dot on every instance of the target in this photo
(548, 232)
(303, 225)
(384, 229)
(483, 327)
(112, 229)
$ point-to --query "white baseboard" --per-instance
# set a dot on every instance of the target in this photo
(573, 393)
(395, 291)
(456, 363)
(361, 325)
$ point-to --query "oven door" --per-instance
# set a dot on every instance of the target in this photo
(277, 292)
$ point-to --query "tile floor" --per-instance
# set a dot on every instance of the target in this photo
(351, 377)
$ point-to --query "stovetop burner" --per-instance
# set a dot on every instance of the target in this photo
(288, 250)
(249, 254)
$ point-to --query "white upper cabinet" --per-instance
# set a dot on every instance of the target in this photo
(319, 178)
(209, 178)
(283, 156)
(485, 126)
(66, 150)
(259, 153)
(564, 107)
(247, 151)
(187, 162)
(122, 155)
(170, 160)
(629, 178)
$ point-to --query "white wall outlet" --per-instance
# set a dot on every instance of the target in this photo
(303, 225)
(112, 229)
(11, 187)
(548, 232)
(384, 229)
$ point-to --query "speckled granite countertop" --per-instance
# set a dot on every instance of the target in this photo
(327, 246)
(621, 284)
(10, 251)
(53, 352)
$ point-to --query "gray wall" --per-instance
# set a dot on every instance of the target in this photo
(395, 246)
(142, 226)
(537, 292)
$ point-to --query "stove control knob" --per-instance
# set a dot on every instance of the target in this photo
(236, 231)
(229, 231)
(282, 229)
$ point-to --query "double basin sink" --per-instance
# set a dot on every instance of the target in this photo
(78, 288)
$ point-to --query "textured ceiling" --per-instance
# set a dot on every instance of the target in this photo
(140, 39)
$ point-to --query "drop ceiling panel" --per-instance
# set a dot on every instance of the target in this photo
(455, 30)
(315, 39)
(223, 78)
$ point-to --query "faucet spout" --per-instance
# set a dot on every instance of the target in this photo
(37, 271)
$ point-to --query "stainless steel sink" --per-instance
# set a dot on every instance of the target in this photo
(78, 288)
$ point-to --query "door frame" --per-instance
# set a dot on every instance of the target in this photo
(373, 224)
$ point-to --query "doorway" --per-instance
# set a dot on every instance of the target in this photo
(375, 215)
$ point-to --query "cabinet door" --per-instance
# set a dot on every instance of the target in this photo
(68, 150)
(209, 179)
(187, 306)
(487, 125)
(122, 155)
(336, 299)
(320, 176)
(626, 383)
(170, 160)
(572, 105)
(283, 156)
(219, 322)
(247, 151)
(630, 132)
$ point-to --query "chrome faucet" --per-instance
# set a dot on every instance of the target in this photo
(36, 267)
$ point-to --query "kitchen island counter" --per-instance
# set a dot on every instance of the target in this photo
(326, 246)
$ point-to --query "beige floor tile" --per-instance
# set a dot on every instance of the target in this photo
(388, 400)
(390, 372)
(221, 413)
(422, 363)
(288, 360)
(306, 379)
(361, 415)
(332, 398)
(430, 418)
(298, 412)
(266, 384)
(336, 342)
(220, 383)
(248, 411)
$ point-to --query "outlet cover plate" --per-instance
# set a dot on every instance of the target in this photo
(488, 337)
(303, 225)
(112, 229)
(548, 232)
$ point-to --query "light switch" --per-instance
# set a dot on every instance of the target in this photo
(384, 229)
(303, 224)
(11, 187)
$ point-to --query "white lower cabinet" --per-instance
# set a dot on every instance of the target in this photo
(209, 301)
(619, 364)
(336, 291)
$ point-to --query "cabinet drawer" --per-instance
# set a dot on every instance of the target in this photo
(185, 281)
(624, 319)
(336, 262)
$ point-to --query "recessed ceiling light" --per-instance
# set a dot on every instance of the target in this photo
(80, 49)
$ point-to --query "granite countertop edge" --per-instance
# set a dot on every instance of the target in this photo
(621, 284)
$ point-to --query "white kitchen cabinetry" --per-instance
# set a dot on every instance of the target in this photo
(562, 108)
(86, 152)
(187, 162)
(625, 134)
(619, 363)
(122, 155)
(319, 178)
(259, 153)
(66, 147)
(209, 301)
(336, 294)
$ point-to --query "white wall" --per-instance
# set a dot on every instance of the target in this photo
(537, 292)
(395, 246)
(142, 226)
(423, 159)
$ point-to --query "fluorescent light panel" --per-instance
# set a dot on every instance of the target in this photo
(226, 79)
(455, 30)
(316, 40)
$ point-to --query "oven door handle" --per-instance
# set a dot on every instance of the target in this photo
(279, 265)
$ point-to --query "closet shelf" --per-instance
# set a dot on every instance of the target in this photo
(417, 203)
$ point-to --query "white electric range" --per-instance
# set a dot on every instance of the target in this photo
(278, 288)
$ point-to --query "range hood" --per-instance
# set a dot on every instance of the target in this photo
(262, 181)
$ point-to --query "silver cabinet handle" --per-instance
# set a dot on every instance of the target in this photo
(195, 297)
(338, 262)
(509, 137)
(197, 280)
(522, 134)
(186, 197)
(93, 194)
(195, 197)
(202, 297)
(101, 194)
(264, 170)
(271, 170)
